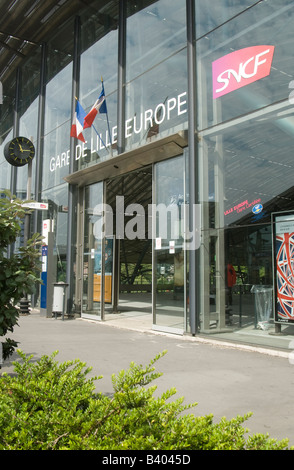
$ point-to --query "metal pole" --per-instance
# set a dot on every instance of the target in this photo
(28, 216)
(24, 303)
(72, 192)
(15, 128)
(39, 149)
(194, 254)
(121, 77)
(121, 130)
(40, 134)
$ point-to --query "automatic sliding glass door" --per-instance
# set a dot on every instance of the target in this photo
(93, 265)
(169, 255)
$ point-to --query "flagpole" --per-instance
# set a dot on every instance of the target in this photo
(99, 137)
(98, 134)
(110, 140)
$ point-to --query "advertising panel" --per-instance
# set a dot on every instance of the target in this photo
(108, 273)
(283, 260)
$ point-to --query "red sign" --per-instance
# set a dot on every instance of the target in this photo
(240, 68)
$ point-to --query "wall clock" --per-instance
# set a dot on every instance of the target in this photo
(19, 151)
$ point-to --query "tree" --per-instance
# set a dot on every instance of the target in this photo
(18, 270)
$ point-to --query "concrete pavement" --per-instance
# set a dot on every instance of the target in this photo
(224, 379)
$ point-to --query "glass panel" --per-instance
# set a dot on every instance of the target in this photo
(57, 199)
(6, 134)
(99, 42)
(248, 167)
(249, 252)
(5, 167)
(254, 87)
(92, 266)
(211, 14)
(58, 115)
(56, 157)
(169, 253)
(157, 111)
(28, 128)
(154, 34)
(56, 218)
(156, 71)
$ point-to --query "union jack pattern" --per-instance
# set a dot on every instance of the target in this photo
(285, 276)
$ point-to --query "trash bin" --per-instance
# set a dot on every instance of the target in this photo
(59, 291)
(263, 305)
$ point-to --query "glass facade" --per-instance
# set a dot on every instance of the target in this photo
(156, 71)
(99, 44)
(243, 76)
(245, 149)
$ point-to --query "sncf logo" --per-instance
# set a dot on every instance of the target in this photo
(240, 68)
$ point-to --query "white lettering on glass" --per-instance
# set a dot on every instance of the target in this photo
(170, 108)
(240, 68)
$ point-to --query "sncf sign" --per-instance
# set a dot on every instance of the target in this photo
(240, 68)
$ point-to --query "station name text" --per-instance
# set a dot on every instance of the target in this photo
(142, 123)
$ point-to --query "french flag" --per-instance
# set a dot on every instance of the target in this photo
(78, 123)
(98, 107)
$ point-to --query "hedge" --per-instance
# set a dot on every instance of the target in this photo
(46, 405)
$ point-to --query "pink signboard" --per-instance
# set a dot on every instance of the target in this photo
(240, 68)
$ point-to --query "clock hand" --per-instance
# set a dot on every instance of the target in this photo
(20, 147)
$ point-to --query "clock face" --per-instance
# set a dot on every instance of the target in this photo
(19, 151)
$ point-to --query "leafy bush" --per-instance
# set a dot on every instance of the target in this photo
(54, 406)
(17, 271)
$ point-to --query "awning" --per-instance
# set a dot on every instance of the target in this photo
(153, 152)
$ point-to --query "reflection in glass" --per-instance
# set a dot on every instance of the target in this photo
(57, 156)
(5, 167)
(91, 302)
(156, 71)
(211, 14)
(162, 109)
(57, 198)
(248, 166)
(6, 131)
(251, 28)
(169, 253)
(153, 35)
(99, 42)
(58, 100)
(28, 128)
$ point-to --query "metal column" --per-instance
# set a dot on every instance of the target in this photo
(40, 137)
(72, 192)
(194, 253)
(121, 127)
(15, 128)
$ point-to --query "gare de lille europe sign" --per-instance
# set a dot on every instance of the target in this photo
(171, 108)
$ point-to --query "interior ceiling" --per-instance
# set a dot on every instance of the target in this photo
(27, 23)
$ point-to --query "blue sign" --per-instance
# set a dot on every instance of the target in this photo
(43, 294)
(257, 208)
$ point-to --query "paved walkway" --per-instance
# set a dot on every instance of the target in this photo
(225, 379)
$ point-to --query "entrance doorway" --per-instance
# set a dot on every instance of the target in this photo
(129, 196)
(139, 267)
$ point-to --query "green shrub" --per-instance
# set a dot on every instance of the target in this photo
(18, 272)
(47, 405)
